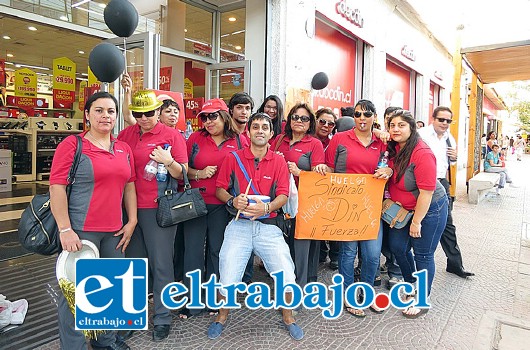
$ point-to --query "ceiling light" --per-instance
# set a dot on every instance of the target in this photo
(132, 63)
(7, 37)
(18, 65)
(64, 18)
(185, 30)
(32, 28)
(232, 19)
(81, 52)
(9, 55)
(238, 47)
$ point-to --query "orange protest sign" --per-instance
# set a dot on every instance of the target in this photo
(339, 207)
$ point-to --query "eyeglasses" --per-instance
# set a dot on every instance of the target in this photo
(324, 122)
(149, 114)
(210, 116)
(442, 120)
(303, 118)
(367, 114)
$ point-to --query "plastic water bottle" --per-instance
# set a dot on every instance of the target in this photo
(150, 170)
(383, 161)
(161, 174)
(189, 130)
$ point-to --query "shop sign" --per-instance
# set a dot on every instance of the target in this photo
(165, 78)
(188, 88)
(408, 53)
(352, 15)
(81, 94)
(25, 83)
(64, 70)
(192, 108)
(92, 80)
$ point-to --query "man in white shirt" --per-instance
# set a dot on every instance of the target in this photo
(443, 145)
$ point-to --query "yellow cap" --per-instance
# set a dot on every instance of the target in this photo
(144, 101)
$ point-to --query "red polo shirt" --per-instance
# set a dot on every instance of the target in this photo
(346, 154)
(142, 146)
(270, 176)
(306, 153)
(420, 174)
(95, 202)
(203, 152)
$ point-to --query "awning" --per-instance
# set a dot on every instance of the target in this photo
(500, 62)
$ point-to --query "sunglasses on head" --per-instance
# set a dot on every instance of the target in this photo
(149, 114)
(209, 116)
(442, 120)
(367, 114)
(326, 122)
(303, 118)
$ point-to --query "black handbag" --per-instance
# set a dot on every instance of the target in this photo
(37, 229)
(175, 207)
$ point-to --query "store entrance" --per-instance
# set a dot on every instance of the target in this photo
(227, 78)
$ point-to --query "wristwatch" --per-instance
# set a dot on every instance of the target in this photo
(230, 202)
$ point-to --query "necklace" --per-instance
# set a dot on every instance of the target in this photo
(99, 143)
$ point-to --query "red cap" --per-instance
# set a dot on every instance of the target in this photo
(214, 105)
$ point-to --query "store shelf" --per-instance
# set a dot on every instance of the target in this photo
(46, 150)
(57, 131)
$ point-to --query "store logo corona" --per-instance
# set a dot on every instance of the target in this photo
(111, 294)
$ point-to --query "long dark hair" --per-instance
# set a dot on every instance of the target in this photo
(312, 119)
(276, 122)
(402, 158)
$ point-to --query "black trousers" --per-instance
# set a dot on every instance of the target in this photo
(448, 241)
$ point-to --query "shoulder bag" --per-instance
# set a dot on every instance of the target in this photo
(37, 230)
(175, 207)
(394, 214)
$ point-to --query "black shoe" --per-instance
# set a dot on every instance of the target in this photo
(124, 335)
(333, 264)
(460, 272)
(117, 345)
(160, 332)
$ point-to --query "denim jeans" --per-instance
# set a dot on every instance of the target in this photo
(432, 227)
(390, 263)
(505, 178)
(370, 259)
(243, 237)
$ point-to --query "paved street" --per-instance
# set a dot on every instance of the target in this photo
(488, 311)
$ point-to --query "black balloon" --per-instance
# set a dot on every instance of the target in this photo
(319, 81)
(121, 17)
(106, 62)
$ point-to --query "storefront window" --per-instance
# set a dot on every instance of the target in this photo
(233, 35)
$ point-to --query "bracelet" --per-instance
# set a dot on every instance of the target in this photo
(171, 163)
(65, 230)
(267, 208)
(197, 175)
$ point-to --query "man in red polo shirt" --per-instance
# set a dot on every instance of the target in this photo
(240, 108)
(268, 174)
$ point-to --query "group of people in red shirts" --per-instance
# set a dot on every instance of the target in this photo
(236, 154)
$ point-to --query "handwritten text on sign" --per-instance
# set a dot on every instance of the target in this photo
(339, 207)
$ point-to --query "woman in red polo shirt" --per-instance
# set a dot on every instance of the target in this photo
(273, 107)
(104, 181)
(415, 186)
(147, 139)
(302, 151)
(357, 151)
(207, 150)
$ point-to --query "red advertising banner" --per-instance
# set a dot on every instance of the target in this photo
(339, 64)
(63, 98)
(193, 107)
(165, 78)
(3, 72)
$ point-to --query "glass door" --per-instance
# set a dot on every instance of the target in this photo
(225, 79)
